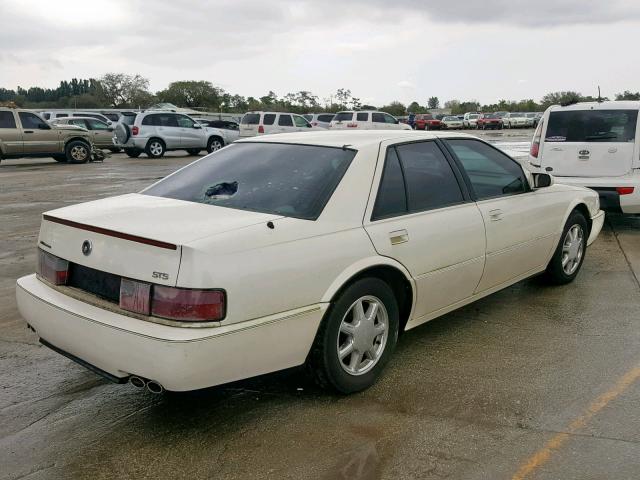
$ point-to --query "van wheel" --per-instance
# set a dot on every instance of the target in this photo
(155, 148)
(77, 151)
(132, 152)
(356, 338)
(193, 151)
(215, 143)
(569, 255)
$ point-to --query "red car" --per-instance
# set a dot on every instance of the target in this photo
(426, 121)
(489, 120)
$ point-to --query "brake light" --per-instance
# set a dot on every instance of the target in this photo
(534, 151)
(260, 129)
(352, 125)
(188, 305)
(53, 269)
(135, 130)
(625, 190)
(314, 124)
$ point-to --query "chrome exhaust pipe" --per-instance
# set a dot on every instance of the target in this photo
(154, 387)
(137, 382)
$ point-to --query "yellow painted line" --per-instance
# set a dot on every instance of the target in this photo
(544, 454)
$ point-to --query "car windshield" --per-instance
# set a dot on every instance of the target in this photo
(491, 115)
(283, 179)
(451, 119)
(473, 116)
(517, 115)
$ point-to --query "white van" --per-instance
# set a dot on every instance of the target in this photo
(265, 123)
(595, 145)
(55, 114)
(366, 120)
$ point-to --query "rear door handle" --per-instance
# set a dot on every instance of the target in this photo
(556, 149)
(495, 215)
(398, 236)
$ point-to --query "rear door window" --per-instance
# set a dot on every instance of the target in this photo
(7, 120)
(285, 121)
(269, 118)
(362, 117)
(392, 196)
(592, 126)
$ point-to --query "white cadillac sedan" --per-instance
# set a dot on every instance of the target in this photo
(276, 251)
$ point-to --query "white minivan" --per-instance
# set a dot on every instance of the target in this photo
(595, 145)
(367, 120)
(265, 123)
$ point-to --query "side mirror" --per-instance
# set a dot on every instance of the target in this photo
(197, 125)
(542, 180)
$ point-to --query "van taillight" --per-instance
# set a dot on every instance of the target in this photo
(352, 125)
(135, 130)
(625, 190)
(535, 143)
(260, 129)
(53, 269)
(180, 304)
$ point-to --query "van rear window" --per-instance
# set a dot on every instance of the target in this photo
(343, 117)
(250, 119)
(592, 126)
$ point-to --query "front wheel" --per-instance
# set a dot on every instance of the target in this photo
(357, 337)
(569, 255)
(77, 152)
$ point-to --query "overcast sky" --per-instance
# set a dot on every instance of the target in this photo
(382, 50)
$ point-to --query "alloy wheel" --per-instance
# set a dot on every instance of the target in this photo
(572, 249)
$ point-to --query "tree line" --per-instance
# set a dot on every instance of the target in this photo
(119, 90)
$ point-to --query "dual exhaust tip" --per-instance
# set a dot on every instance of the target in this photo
(151, 385)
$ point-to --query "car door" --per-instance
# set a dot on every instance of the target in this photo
(37, 134)
(10, 134)
(190, 137)
(423, 217)
(391, 122)
(521, 224)
(285, 123)
(378, 121)
(169, 130)
(102, 133)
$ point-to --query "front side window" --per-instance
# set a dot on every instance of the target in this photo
(7, 120)
(389, 119)
(491, 172)
(301, 122)
(285, 121)
(592, 126)
(78, 122)
(185, 122)
(30, 120)
(280, 179)
(97, 124)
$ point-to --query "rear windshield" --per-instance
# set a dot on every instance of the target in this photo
(343, 116)
(325, 118)
(250, 119)
(592, 126)
(282, 179)
(129, 119)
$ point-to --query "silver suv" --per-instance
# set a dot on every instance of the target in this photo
(157, 132)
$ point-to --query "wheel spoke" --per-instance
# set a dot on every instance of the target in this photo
(379, 328)
(346, 350)
(355, 361)
(358, 312)
(347, 328)
(372, 312)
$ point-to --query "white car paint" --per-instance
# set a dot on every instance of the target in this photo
(602, 165)
(470, 120)
(280, 279)
(452, 122)
(265, 123)
(366, 120)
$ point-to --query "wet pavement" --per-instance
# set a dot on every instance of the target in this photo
(533, 382)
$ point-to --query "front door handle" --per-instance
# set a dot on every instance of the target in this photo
(495, 215)
(398, 236)
(28, 131)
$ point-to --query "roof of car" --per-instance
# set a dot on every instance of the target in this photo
(619, 104)
(353, 139)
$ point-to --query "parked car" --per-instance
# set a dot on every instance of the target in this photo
(489, 120)
(595, 145)
(367, 120)
(26, 134)
(263, 123)
(53, 115)
(426, 121)
(452, 122)
(101, 133)
(515, 120)
(157, 132)
(321, 120)
(470, 120)
(232, 128)
(182, 286)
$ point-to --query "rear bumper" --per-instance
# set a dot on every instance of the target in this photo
(178, 358)
(610, 200)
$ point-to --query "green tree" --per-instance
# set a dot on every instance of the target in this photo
(558, 98)
(395, 108)
(627, 95)
(122, 90)
(433, 102)
(192, 93)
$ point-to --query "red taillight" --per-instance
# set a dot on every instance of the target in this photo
(135, 130)
(260, 129)
(535, 149)
(135, 296)
(188, 305)
(625, 190)
(352, 125)
(53, 269)
(315, 124)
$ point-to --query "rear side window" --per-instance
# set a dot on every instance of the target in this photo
(128, 119)
(343, 117)
(325, 118)
(592, 126)
(251, 119)
(149, 120)
(7, 120)
(285, 121)
(392, 198)
(269, 118)
(491, 172)
(61, 115)
(362, 117)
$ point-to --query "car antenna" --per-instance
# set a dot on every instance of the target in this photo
(599, 97)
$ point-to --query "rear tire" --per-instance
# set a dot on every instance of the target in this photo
(214, 143)
(155, 148)
(77, 151)
(132, 152)
(569, 255)
(365, 339)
